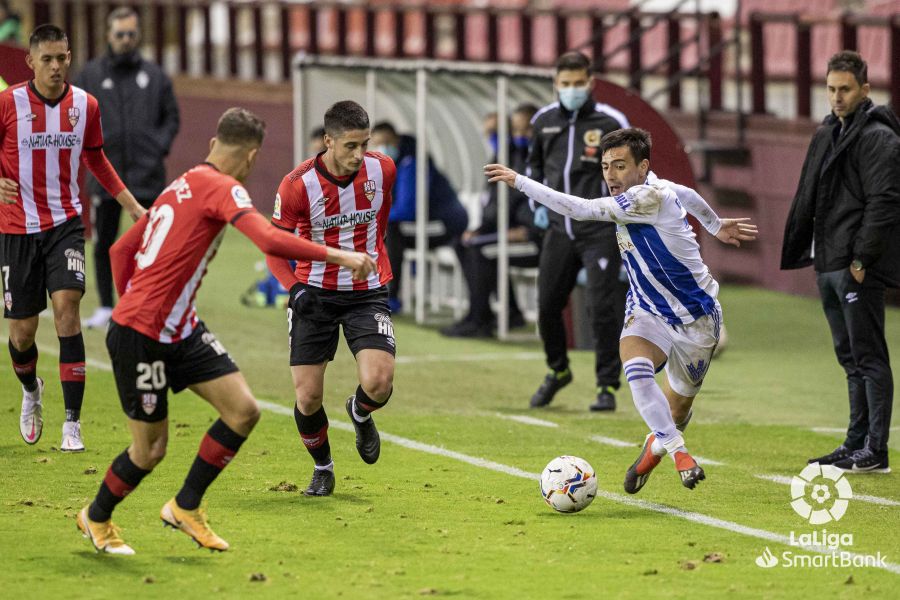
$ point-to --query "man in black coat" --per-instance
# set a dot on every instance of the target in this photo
(140, 121)
(565, 155)
(845, 221)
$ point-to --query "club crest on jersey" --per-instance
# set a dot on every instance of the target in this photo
(369, 189)
(74, 115)
(148, 403)
(592, 138)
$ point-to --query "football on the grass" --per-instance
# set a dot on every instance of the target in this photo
(568, 484)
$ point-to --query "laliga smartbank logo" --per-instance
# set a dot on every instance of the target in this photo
(820, 494)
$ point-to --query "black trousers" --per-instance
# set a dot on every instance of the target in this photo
(561, 259)
(105, 216)
(855, 314)
(481, 278)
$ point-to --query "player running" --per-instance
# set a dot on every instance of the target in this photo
(341, 199)
(672, 316)
(157, 342)
(48, 128)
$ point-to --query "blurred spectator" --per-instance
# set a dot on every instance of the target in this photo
(316, 142)
(479, 266)
(10, 23)
(140, 121)
(447, 216)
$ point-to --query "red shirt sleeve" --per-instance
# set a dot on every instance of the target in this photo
(96, 161)
(290, 205)
(234, 201)
(93, 129)
(274, 241)
(121, 254)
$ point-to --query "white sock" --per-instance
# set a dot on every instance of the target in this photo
(328, 467)
(356, 416)
(657, 448)
(651, 403)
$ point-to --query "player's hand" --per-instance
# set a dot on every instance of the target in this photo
(735, 231)
(495, 172)
(360, 264)
(9, 191)
(136, 212)
(858, 276)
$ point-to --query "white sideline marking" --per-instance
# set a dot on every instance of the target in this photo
(526, 420)
(601, 439)
(708, 461)
(487, 356)
(652, 506)
(861, 497)
(838, 429)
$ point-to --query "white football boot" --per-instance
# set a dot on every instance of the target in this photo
(31, 421)
(100, 318)
(71, 437)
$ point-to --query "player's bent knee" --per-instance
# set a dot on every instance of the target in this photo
(378, 386)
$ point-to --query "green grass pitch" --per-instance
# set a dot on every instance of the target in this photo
(424, 524)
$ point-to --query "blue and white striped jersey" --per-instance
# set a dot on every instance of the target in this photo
(661, 256)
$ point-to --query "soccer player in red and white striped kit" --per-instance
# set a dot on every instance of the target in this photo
(339, 198)
(156, 340)
(48, 128)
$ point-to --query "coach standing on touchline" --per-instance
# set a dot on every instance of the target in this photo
(140, 121)
(844, 221)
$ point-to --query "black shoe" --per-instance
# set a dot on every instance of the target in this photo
(605, 401)
(467, 329)
(840, 453)
(321, 484)
(690, 472)
(368, 442)
(553, 382)
(865, 461)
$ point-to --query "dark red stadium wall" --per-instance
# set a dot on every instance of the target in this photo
(202, 102)
(777, 149)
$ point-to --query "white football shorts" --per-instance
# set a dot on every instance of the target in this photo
(689, 348)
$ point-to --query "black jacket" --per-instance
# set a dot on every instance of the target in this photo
(848, 198)
(140, 119)
(565, 155)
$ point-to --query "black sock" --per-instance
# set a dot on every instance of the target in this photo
(218, 447)
(121, 478)
(364, 405)
(25, 365)
(71, 374)
(314, 434)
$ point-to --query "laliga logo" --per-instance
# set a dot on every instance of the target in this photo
(825, 481)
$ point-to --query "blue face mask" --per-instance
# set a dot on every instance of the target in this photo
(520, 141)
(389, 150)
(493, 143)
(573, 98)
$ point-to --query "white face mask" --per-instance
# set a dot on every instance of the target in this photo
(389, 150)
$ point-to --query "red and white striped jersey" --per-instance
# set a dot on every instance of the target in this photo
(349, 215)
(185, 228)
(42, 143)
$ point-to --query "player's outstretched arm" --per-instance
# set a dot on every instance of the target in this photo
(275, 242)
(639, 204)
(735, 231)
(106, 175)
(122, 253)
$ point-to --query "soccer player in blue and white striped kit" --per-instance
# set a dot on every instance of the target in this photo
(672, 316)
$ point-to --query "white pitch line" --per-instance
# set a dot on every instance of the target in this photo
(643, 504)
(527, 420)
(708, 461)
(602, 439)
(487, 356)
(861, 497)
(838, 429)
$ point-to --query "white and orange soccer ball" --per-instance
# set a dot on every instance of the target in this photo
(568, 484)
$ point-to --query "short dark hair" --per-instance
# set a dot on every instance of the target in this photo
(123, 12)
(526, 108)
(637, 140)
(240, 127)
(384, 127)
(850, 62)
(573, 61)
(47, 33)
(345, 115)
(317, 134)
